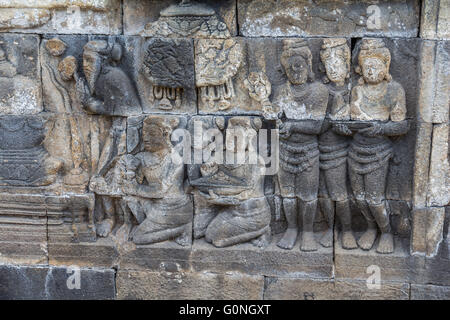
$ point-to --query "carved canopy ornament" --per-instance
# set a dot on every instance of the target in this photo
(187, 19)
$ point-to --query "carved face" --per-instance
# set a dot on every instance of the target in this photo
(155, 138)
(373, 70)
(91, 67)
(297, 69)
(335, 62)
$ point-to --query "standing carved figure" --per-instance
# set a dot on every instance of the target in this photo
(303, 103)
(378, 111)
(333, 144)
(154, 182)
(109, 91)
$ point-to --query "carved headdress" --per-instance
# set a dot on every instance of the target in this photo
(297, 47)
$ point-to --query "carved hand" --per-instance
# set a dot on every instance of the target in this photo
(342, 129)
(376, 129)
(285, 130)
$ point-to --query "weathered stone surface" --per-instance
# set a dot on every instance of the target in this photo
(439, 181)
(261, 18)
(23, 283)
(317, 289)
(20, 91)
(434, 82)
(270, 261)
(185, 285)
(422, 164)
(429, 292)
(398, 266)
(67, 16)
(207, 19)
(435, 20)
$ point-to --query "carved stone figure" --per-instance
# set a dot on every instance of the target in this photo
(154, 182)
(333, 144)
(232, 194)
(302, 104)
(108, 91)
(187, 19)
(378, 111)
(216, 62)
(169, 66)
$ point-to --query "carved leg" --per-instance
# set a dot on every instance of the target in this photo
(291, 213)
(366, 241)
(386, 244)
(263, 240)
(142, 236)
(326, 205)
(344, 214)
(105, 226)
(309, 209)
(376, 183)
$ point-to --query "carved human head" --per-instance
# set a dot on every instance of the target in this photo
(374, 60)
(335, 56)
(157, 131)
(95, 52)
(296, 60)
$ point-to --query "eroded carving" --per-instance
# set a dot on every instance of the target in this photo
(169, 66)
(187, 19)
(216, 62)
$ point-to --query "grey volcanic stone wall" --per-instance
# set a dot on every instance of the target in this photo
(115, 115)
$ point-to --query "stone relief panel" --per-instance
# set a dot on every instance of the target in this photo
(179, 19)
(260, 18)
(67, 16)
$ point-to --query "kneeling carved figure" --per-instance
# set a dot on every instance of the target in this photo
(233, 193)
(154, 181)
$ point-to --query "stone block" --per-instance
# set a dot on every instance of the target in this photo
(188, 285)
(270, 261)
(66, 16)
(55, 283)
(429, 292)
(435, 20)
(342, 289)
(301, 18)
(209, 19)
(20, 89)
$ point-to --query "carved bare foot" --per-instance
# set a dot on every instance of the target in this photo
(184, 239)
(367, 239)
(288, 240)
(308, 242)
(262, 241)
(386, 244)
(327, 239)
(104, 227)
(348, 240)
